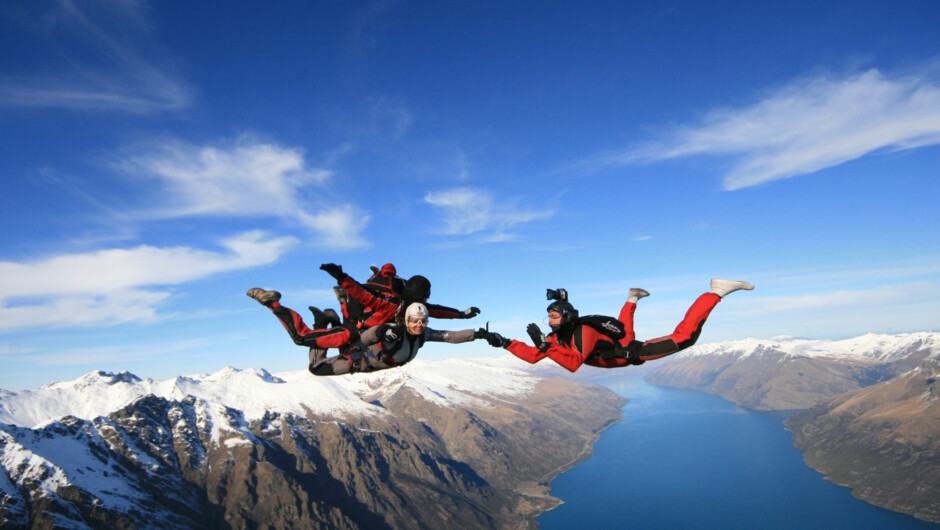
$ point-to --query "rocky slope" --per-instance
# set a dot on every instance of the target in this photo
(882, 441)
(456, 444)
(793, 374)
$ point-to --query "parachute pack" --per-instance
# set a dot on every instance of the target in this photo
(605, 325)
(613, 329)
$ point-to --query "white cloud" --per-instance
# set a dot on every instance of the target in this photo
(338, 227)
(809, 125)
(467, 211)
(107, 65)
(248, 179)
(118, 285)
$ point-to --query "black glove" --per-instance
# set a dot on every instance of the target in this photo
(538, 338)
(496, 340)
(535, 334)
(480, 334)
(470, 313)
(334, 270)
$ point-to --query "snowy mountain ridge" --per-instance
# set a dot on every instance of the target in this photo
(256, 392)
(873, 347)
(247, 448)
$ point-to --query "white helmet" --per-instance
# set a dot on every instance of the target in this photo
(416, 310)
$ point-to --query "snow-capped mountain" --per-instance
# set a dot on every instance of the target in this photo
(246, 448)
(787, 373)
(871, 347)
(255, 392)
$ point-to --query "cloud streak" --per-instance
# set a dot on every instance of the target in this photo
(118, 285)
(106, 68)
(467, 211)
(806, 126)
(248, 179)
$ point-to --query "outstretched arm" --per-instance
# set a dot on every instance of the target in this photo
(453, 337)
(384, 310)
(529, 354)
(568, 357)
(440, 311)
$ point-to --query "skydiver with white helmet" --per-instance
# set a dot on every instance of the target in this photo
(388, 345)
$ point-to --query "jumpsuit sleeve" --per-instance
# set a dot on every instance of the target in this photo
(453, 337)
(567, 356)
(440, 311)
(370, 336)
(529, 354)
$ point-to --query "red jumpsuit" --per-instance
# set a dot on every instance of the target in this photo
(378, 310)
(593, 343)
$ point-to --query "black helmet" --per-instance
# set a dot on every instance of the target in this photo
(416, 289)
(569, 315)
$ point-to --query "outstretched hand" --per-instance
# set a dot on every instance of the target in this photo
(538, 338)
(494, 339)
(472, 312)
(334, 270)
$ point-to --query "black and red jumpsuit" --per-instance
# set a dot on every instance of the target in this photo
(593, 343)
(381, 311)
(385, 285)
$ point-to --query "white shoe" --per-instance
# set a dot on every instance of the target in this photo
(636, 294)
(725, 287)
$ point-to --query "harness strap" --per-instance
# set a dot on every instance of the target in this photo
(356, 354)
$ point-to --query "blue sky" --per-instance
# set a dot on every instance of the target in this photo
(159, 159)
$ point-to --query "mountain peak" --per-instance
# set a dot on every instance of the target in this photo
(871, 346)
(255, 391)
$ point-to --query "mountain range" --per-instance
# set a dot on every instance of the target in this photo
(455, 443)
(869, 407)
(787, 373)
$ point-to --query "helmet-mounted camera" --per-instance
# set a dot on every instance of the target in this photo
(561, 305)
(556, 294)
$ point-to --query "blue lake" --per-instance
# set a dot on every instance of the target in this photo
(686, 459)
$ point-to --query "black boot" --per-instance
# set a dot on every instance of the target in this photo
(320, 320)
(332, 317)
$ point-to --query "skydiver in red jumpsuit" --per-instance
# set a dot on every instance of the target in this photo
(592, 340)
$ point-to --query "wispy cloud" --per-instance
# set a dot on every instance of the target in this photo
(467, 211)
(835, 314)
(339, 227)
(808, 125)
(123, 353)
(118, 285)
(248, 179)
(112, 62)
(392, 115)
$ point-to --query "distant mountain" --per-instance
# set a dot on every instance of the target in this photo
(455, 444)
(794, 374)
(882, 441)
(873, 422)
